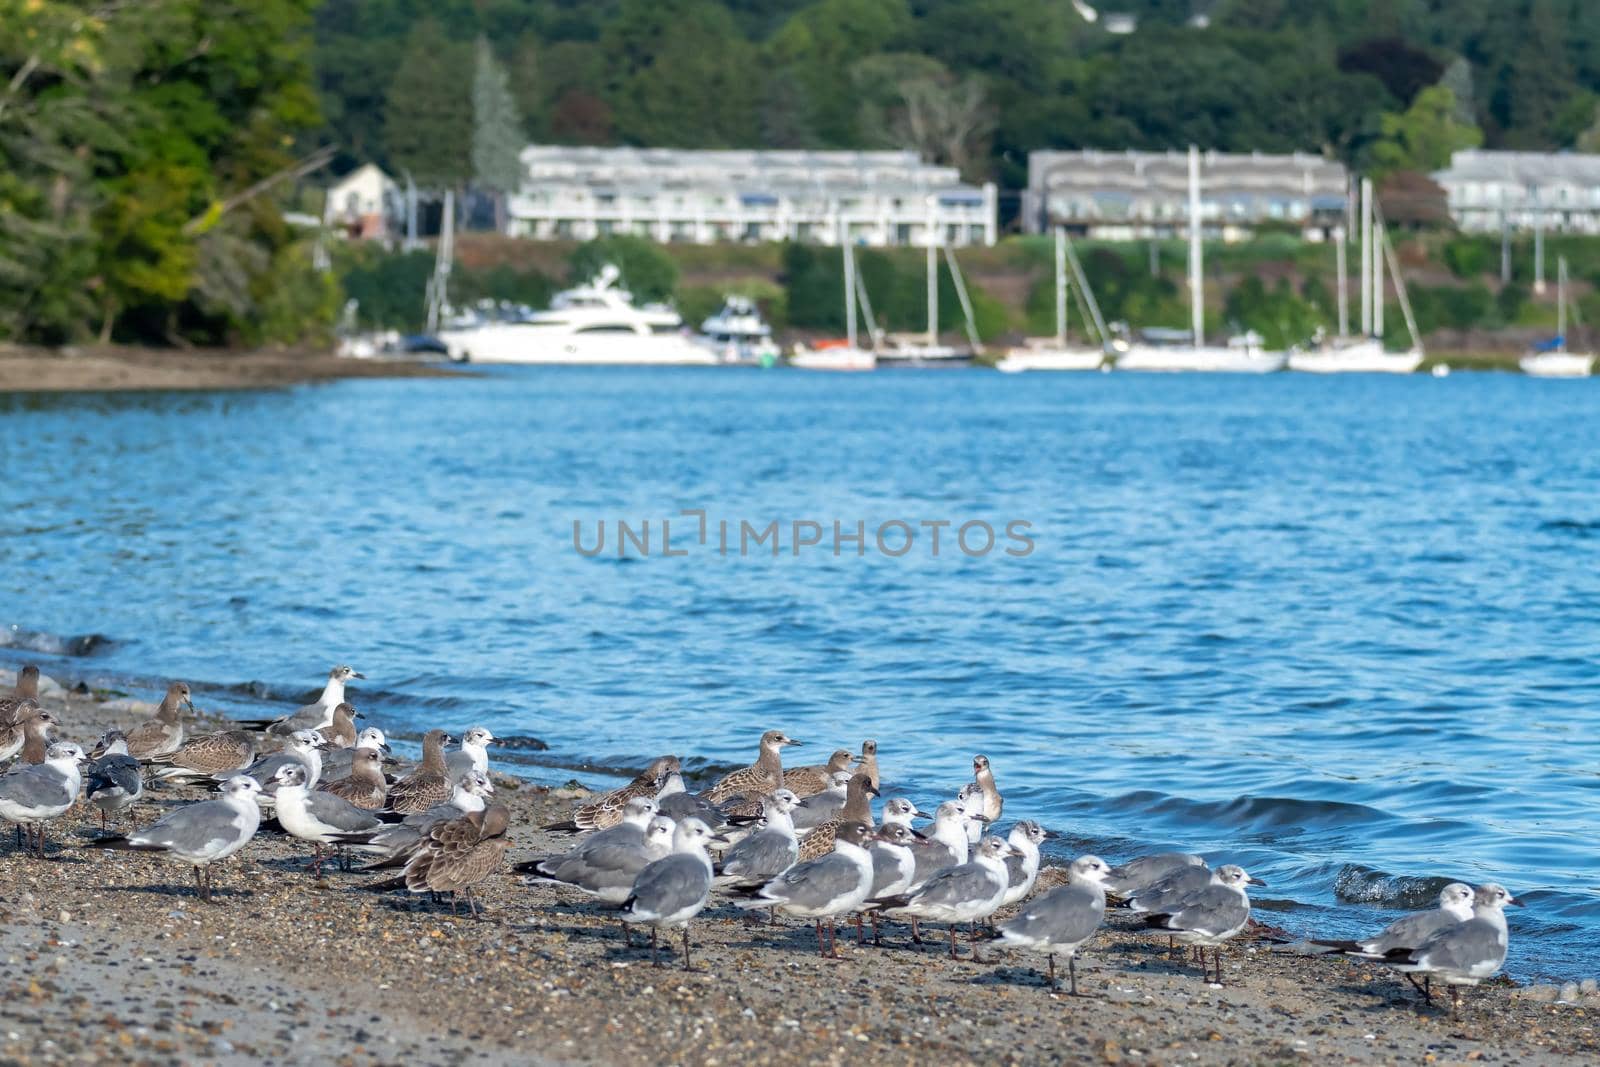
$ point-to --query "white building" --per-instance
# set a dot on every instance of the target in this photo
(362, 202)
(1488, 190)
(1134, 195)
(669, 194)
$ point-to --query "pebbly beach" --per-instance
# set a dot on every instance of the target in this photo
(114, 954)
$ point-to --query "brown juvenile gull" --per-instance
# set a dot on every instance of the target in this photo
(810, 780)
(604, 812)
(396, 843)
(429, 784)
(206, 756)
(28, 735)
(34, 794)
(993, 802)
(26, 688)
(314, 716)
(341, 730)
(162, 734)
(200, 834)
(760, 778)
(457, 855)
(867, 763)
(365, 786)
(857, 808)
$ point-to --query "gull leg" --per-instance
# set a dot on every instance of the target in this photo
(655, 960)
(877, 938)
(820, 951)
(627, 935)
(833, 940)
(861, 938)
(1072, 973)
(686, 964)
(103, 826)
(1427, 996)
(952, 940)
(1051, 957)
(1455, 1003)
(916, 934)
(972, 939)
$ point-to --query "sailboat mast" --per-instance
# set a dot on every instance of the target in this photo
(1377, 280)
(1196, 264)
(1367, 258)
(933, 276)
(1341, 268)
(849, 293)
(1561, 302)
(1061, 286)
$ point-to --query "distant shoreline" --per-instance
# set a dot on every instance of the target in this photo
(115, 368)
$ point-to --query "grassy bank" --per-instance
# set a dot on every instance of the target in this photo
(123, 368)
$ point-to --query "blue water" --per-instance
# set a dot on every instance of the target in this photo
(1338, 630)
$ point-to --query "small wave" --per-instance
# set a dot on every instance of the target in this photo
(1571, 527)
(48, 644)
(1357, 884)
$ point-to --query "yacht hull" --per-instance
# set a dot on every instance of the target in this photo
(514, 345)
(1364, 358)
(1177, 359)
(1025, 359)
(833, 359)
(1557, 365)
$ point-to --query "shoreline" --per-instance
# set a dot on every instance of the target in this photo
(115, 368)
(112, 952)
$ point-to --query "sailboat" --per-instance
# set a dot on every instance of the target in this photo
(926, 350)
(1241, 355)
(1552, 360)
(1054, 353)
(1366, 354)
(846, 356)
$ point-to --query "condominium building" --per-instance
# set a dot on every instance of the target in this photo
(1130, 195)
(1488, 191)
(669, 194)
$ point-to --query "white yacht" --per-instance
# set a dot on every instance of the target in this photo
(1365, 354)
(595, 323)
(925, 349)
(1241, 355)
(1553, 360)
(738, 334)
(1055, 353)
(845, 355)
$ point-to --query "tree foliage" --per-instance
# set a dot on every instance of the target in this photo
(1423, 138)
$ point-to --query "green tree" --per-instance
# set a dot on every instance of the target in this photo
(647, 271)
(1423, 138)
(680, 75)
(428, 114)
(497, 136)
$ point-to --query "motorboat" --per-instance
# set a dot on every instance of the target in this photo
(738, 334)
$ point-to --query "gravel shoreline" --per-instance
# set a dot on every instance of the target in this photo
(112, 954)
(127, 369)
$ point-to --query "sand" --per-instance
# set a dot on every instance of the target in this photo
(112, 954)
(118, 369)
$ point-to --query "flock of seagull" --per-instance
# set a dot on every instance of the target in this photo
(802, 842)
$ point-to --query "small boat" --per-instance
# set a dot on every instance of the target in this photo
(738, 334)
(1055, 353)
(1173, 351)
(1551, 359)
(1366, 354)
(926, 350)
(845, 354)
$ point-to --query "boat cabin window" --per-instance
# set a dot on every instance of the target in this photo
(604, 329)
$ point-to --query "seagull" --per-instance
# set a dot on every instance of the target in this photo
(983, 778)
(365, 786)
(26, 688)
(400, 839)
(336, 762)
(162, 733)
(35, 793)
(946, 844)
(758, 779)
(605, 863)
(1211, 915)
(898, 811)
(1141, 873)
(766, 853)
(1455, 906)
(867, 763)
(1059, 922)
(456, 855)
(970, 800)
(678, 804)
(1464, 953)
(473, 755)
(606, 810)
(341, 729)
(818, 808)
(857, 808)
(304, 748)
(429, 784)
(312, 716)
(200, 834)
(1022, 866)
(1168, 892)
(29, 734)
(316, 816)
(115, 780)
(810, 780)
(206, 757)
(824, 888)
(965, 893)
(674, 889)
(893, 866)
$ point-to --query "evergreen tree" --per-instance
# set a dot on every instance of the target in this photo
(497, 136)
(428, 116)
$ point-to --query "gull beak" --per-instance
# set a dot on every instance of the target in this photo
(1051, 835)
(1515, 903)
(358, 674)
(792, 741)
(873, 790)
(359, 715)
(919, 814)
(1256, 881)
(918, 834)
(718, 839)
(981, 818)
(495, 741)
(189, 706)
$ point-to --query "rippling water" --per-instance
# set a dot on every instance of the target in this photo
(1340, 631)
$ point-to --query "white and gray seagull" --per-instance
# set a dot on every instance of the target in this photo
(1467, 952)
(827, 887)
(473, 755)
(1142, 872)
(33, 794)
(967, 893)
(1211, 915)
(1059, 922)
(604, 864)
(1022, 866)
(316, 815)
(768, 851)
(313, 716)
(200, 834)
(304, 749)
(115, 780)
(674, 889)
